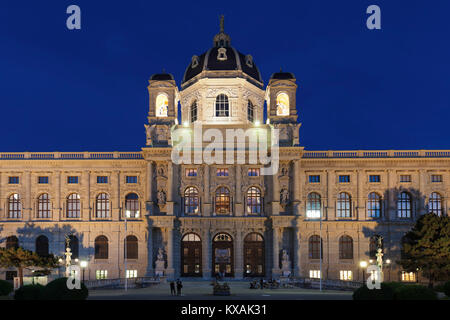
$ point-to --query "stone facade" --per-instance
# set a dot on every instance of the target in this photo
(226, 235)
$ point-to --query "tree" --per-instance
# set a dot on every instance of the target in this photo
(24, 259)
(427, 247)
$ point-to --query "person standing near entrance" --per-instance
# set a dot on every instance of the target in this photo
(179, 286)
(261, 282)
(172, 288)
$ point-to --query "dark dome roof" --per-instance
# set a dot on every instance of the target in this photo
(282, 75)
(162, 76)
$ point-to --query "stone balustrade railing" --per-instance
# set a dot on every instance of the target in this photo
(69, 155)
(377, 154)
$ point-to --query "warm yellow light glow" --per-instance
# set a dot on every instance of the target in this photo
(162, 105)
(388, 261)
(363, 264)
(186, 123)
(257, 123)
(370, 261)
(83, 264)
(282, 104)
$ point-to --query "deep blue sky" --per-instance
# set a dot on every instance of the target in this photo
(358, 89)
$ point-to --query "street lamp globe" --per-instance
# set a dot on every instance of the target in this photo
(363, 264)
(388, 261)
(83, 263)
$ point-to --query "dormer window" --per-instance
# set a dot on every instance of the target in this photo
(194, 62)
(249, 61)
(162, 105)
(282, 104)
(222, 106)
(221, 54)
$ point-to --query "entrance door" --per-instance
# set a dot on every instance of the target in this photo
(223, 255)
(254, 255)
(191, 256)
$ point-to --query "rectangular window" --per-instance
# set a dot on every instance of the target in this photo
(405, 178)
(101, 274)
(314, 179)
(346, 275)
(131, 274)
(374, 178)
(344, 179)
(102, 179)
(314, 274)
(408, 276)
(191, 172)
(131, 179)
(43, 180)
(436, 178)
(13, 180)
(222, 172)
(253, 172)
(72, 180)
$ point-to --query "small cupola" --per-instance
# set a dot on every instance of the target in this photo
(221, 39)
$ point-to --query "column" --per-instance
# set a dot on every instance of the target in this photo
(169, 200)
(296, 177)
(390, 212)
(28, 212)
(276, 252)
(331, 200)
(361, 200)
(149, 206)
(297, 255)
(57, 213)
(116, 205)
(276, 195)
(206, 208)
(239, 208)
(86, 213)
(239, 256)
(150, 271)
(170, 257)
(206, 254)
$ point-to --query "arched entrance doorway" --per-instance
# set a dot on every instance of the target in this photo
(223, 255)
(191, 256)
(254, 255)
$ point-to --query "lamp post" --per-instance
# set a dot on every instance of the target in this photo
(363, 265)
(388, 265)
(83, 265)
(60, 260)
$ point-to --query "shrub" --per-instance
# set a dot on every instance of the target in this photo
(415, 292)
(29, 292)
(57, 290)
(6, 287)
(364, 293)
(447, 288)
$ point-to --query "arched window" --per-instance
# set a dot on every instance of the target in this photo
(222, 201)
(404, 205)
(131, 244)
(14, 206)
(162, 105)
(101, 247)
(44, 206)
(12, 242)
(374, 205)
(222, 106)
(250, 111)
(191, 201)
(74, 246)
(313, 205)
(315, 247)
(254, 201)
(191, 237)
(435, 203)
(282, 104)
(102, 205)
(345, 247)
(132, 205)
(193, 112)
(42, 246)
(73, 206)
(344, 206)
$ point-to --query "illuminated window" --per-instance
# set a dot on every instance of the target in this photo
(374, 205)
(408, 276)
(14, 206)
(435, 203)
(194, 112)
(222, 172)
(132, 205)
(102, 205)
(44, 206)
(73, 206)
(250, 111)
(222, 106)
(191, 201)
(222, 201)
(191, 172)
(314, 274)
(101, 274)
(345, 247)
(343, 205)
(253, 172)
(254, 201)
(131, 274)
(162, 105)
(346, 275)
(404, 205)
(313, 205)
(282, 104)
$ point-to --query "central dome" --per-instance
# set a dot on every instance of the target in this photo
(222, 57)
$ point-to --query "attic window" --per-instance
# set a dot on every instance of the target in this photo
(249, 61)
(222, 54)
(194, 62)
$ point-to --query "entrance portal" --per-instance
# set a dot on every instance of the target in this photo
(254, 255)
(223, 255)
(191, 256)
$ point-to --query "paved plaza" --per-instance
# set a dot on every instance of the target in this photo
(202, 290)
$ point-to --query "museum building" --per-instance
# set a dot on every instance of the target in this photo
(157, 217)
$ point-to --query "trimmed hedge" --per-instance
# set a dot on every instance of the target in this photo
(447, 288)
(57, 290)
(29, 292)
(364, 293)
(6, 287)
(415, 292)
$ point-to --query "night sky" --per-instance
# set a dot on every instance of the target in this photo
(85, 90)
